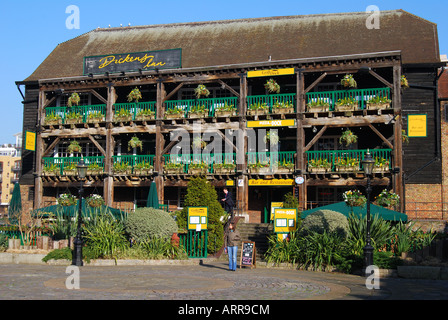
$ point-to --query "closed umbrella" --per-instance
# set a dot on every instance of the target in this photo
(153, 199)
(15, 205)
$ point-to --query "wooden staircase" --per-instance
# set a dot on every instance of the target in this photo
(258, 233)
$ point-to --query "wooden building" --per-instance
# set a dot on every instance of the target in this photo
(307, 56)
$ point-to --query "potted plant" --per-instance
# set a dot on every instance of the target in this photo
(285, 167)
(198, 111)
(381, 165)
(73, 117)
(74, 147)
(318, 105)
(272, 86)
(224, 168)
(94, 169)
(354, 198)
(95, 201)
(134, 95)
(404, 82)
(283, 107)
(174, 113)
(201, 90)
(259, 167)
(173, 168)
(95, 117)
(404, 137)
(73, 100)
(51, 170)
(225, 110)
(348, 81)
(271, 137)
(52, 119)
(66, 200)
(347, 165)
(378, 103)
(70, 170)
(198, 168)
(348, 137)
(135, 142)
(387, 199)
(320, 165)
(258, 109)
(143, 168)
(122, 168)
(123, 115)
(346, 104)
(145, 114)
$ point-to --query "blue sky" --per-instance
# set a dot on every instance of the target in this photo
(31, 29)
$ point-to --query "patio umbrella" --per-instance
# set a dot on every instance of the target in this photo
(15, 205)
(153, 199)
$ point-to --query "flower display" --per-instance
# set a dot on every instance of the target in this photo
(354, 198)
(95, 200)
(66, 200)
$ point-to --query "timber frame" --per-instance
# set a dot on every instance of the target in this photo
(178, 78)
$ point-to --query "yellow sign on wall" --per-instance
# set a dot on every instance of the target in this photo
(30, 141)
(285, 220)
(273, 182)
(197, 218)
(417, 126)
(270, 73)
(271, 123)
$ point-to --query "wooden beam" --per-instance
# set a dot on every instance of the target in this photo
(172, 93)
(315, 83)
(316, 137)
(380, 78)
(47, 103)
(229, 88)
(97, 145)
(96, 94)
(171, 144)
(51, 147)
(379, 134)
(227, 140)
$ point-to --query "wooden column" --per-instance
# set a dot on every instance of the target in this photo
(160, 141)
(243, 190)
(300, 160)
(108, 189)
(38, 185)
(398, 140)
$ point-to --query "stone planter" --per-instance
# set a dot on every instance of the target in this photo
(122, 172)
(70, 173)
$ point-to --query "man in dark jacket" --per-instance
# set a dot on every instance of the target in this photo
(228, 202)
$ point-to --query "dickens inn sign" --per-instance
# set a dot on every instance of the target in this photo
(132, 62)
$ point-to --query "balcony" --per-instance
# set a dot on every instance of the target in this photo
(74, 115)
(140, 111)
(201, 108)
(271, 163)
(200, 164)
(349, 100)
(271, 104)
(347, 161)
(137, 165)
(66, 167)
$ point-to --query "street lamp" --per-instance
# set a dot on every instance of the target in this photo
(77, 253)
(368, 163)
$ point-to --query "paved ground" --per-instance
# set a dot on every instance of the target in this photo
(209, 281)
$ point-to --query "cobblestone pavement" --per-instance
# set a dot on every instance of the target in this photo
(209, 281)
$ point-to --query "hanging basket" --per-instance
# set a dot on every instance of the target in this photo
(95, 201)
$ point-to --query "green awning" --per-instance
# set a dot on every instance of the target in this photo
(15, 205)
(343, 208)
(153, 199)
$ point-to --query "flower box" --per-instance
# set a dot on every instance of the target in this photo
(197, 171)
(283, 110)
(314, 109)
(284, 170)
(346, 169)
(122, 172)
(258, 112)
(143, 172)
(73, 121)
(382, 169)
(52, 122)
(198, 115)
(178, 115)
(70, 172)
(123, 118)
(348, 107)
(145, 117)
(378, 106)
(319, 170)
(219, 113)
(260, 170)
(95, 120)
(224, 170)
(94, 172)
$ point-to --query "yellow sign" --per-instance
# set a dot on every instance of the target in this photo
(197, 218)
(275, 205)
(285, 220)
(270, 73)
(271, 123)
(417, 126)
(230, 183)
(30, 141)
(273, 182)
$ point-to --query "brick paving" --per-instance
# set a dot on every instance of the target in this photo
(208, 281)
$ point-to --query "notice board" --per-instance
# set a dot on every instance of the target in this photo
(248, 251)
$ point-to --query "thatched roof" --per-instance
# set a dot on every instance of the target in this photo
(253, 40)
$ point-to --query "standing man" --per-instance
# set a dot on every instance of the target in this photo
(228, 202)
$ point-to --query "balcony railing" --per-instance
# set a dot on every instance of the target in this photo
(271, 162)
(274, 103)
(224, 163)
(67, 165)
(76, 114)
(347, 160)
(135, 111)
(201, 107)
(328, 100)
(133, 164)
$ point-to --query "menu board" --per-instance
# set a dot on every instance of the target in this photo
(248, 254)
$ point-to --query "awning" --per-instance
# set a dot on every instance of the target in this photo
(343, 208)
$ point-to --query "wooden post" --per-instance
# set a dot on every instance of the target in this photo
(160, 141)
(398, 140)
(300, 156)
(38, 185)
(243, 190)
(108, 187)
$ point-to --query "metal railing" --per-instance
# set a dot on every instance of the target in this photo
(135, 110)
(61, 165)
(272, 102)
(206, 161)
(208, 107)
(75, 114)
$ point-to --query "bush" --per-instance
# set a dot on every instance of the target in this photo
(147, 223)
(58, 254)
(326, 221)
(200, 193)
(3, 242)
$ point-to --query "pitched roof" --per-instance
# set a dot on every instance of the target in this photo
(253, 40)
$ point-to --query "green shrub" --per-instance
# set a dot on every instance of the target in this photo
(200, 193)
(326, 221)
(147, 223)
(160, 248)
(3, 242)
(58, 254)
